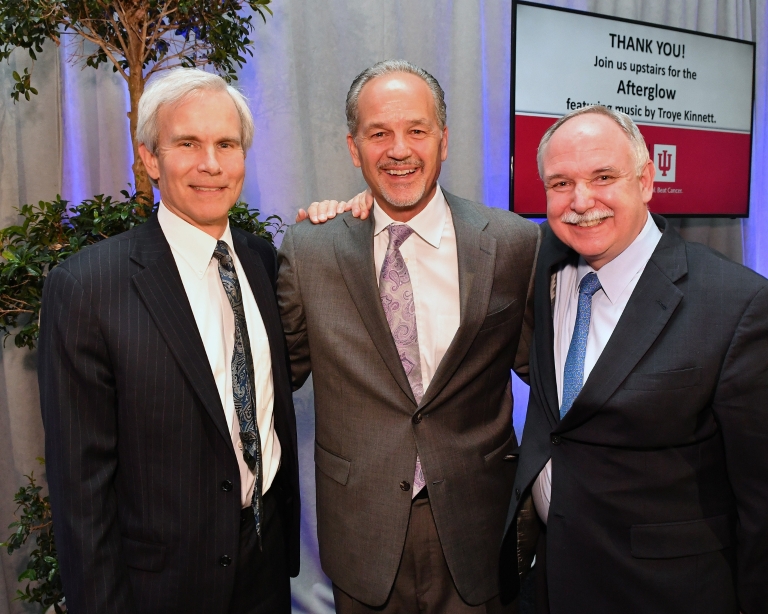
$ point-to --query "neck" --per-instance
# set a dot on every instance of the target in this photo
(215, 228)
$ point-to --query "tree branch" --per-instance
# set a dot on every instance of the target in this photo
(118, 33)
(103, 45)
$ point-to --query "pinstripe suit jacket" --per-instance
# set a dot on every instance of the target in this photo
(137, 445)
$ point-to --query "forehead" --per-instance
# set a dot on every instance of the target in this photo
(200, 111)
(395, 95)
(588, 139)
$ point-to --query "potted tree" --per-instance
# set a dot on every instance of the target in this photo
(137, 38)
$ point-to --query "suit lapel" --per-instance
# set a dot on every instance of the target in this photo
(354, 254)
(264, 294)
(476, 252)
(162, 291)
(551, 256)
(650, 307)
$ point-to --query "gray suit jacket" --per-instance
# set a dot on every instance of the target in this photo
(368, 425)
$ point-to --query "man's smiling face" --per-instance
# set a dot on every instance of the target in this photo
(200, 163)
(399, 144)
(596, 203)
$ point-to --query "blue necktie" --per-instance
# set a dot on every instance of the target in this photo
(243, 379)
(573, 375)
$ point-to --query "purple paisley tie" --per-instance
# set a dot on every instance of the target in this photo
(396, 294)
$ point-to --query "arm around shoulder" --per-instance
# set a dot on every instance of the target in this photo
(522, 357)
(289, 299)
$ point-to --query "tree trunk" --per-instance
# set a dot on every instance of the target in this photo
(140, 176)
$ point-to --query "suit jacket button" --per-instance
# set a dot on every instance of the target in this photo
(517, 494)
(405, 485)
(555, 440)
(225, 561)
(226, 486)
(417, 418)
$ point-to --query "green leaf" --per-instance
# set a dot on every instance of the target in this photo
(28, 574)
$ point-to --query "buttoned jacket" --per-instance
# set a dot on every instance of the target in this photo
(659, 496)
(144, 481)
(369, 427)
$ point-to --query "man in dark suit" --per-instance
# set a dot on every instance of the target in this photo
(170, 432)
(410, 321)
(644, 450)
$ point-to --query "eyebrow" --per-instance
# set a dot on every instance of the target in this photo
(192, 137)
(422, 121)
(599, 171)
(549, 178)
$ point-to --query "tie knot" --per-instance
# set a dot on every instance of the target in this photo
(398, 233)
(589, 284)
(221, 253)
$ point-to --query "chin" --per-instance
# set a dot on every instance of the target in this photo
(403, 200)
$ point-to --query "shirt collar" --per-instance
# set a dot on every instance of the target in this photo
(193, 245)
(428, 223)
(615, 275)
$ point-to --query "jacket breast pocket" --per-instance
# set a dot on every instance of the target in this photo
(335, 467)
(500, 316)
(664, 380)
(676, 539)
(146, 556)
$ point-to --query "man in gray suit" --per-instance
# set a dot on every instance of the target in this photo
(410, 320)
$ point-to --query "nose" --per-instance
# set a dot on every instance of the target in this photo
(209, 161)
(399, 150)
(583, 199)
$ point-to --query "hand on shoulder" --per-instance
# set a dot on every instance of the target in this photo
(320, 212)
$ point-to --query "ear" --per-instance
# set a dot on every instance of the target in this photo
(444, 145)
(353, 152)
(150, 161)
(646, 181)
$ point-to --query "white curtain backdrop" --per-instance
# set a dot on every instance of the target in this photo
(73, 139)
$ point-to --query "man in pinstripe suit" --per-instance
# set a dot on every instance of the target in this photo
(170, 431)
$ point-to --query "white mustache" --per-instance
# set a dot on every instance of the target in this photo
(397, 164)
(571, 217)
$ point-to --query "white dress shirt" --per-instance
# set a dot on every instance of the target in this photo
(618, 279)
(433, 265)
(192, 250)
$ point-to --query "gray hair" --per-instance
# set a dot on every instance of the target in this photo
(624, 121)
(177, 85)
(387, 67)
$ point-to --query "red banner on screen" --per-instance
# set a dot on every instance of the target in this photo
(697, 171)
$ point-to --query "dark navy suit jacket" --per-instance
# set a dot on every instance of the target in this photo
(660, 469)
(143, 476)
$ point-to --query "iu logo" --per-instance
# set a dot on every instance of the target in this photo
(665, 159)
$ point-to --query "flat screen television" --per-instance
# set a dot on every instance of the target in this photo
(691, 95)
